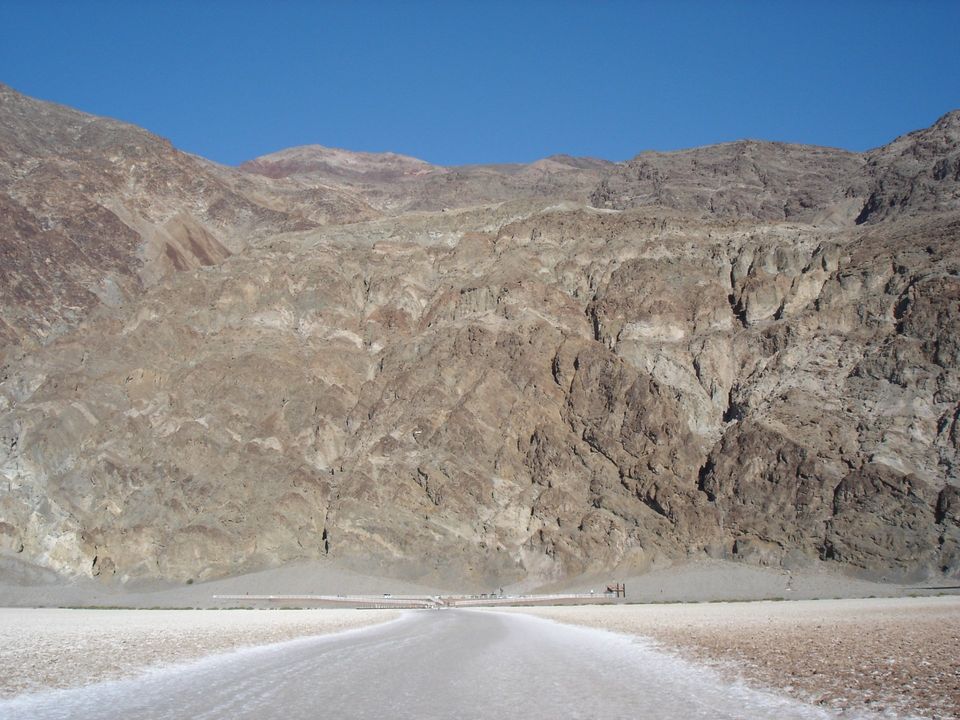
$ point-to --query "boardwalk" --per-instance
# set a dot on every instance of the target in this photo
(424, 602)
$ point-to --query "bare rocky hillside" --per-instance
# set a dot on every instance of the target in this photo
(475, 375)
(396, 183)
(94, 211)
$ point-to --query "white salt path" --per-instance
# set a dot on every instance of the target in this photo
(428, 664)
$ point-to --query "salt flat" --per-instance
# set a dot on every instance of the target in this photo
(58, 648)
(866, 658)
(428, 664)
(897, 656)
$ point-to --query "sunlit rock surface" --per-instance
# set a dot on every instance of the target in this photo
(491, 374)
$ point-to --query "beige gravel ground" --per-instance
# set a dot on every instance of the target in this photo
(888, 655)
(55, 648)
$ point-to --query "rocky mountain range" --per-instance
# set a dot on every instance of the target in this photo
(473, 375)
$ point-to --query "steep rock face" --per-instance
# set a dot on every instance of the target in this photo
(515, 392)
(489, 411)
(879, 513)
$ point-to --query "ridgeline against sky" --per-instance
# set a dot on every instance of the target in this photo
(458, 83)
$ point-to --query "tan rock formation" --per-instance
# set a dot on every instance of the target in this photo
(219, 370)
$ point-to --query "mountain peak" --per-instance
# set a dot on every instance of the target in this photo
(336, 162)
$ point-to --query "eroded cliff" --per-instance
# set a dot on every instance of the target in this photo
(747, 351)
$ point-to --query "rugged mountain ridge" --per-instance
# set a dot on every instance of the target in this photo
(916, 174)
(762, 180)
(94, 210)
(714, 359)
(398, 183)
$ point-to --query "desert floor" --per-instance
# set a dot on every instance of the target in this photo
(898, 656)
(428, 665)
(886, 657)
(58, 648)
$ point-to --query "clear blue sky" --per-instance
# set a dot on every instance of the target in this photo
(463, 82)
